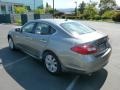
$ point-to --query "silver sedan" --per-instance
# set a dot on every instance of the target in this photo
(63, 45)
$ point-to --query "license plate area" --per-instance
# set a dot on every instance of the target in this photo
(102, 47)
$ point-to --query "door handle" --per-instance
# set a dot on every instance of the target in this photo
(43, 40)
(28, 37)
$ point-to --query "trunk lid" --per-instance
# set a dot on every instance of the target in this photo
(97, 39)
(88, 37)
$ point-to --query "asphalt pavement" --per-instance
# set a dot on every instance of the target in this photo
(18, 71)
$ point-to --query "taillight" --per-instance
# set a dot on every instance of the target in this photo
(84, 49)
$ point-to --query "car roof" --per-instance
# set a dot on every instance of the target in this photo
(55, 21)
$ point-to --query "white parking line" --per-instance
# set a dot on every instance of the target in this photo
(19, 60)
(72, 84)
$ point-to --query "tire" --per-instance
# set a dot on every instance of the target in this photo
(11, 43)
(52, 63)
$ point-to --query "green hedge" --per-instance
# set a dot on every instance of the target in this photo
(97, 17)
(116, 17)
(18, 21)
(71, 17)
(108, 14)
(82, 16)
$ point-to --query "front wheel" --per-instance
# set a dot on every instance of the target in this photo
(52, 63)
(11, 44)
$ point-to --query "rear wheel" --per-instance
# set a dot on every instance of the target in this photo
(52, 63)
(11, 44)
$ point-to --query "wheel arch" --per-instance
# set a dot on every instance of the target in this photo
(9, 36)
(51, 51)
(47, 50)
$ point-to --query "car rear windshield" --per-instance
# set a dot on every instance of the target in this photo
(74, 27)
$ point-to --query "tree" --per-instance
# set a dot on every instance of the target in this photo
(108, 14)
(48, 8)
(59, 14)
(106, 5)
(20, 9)
(90, 11)
(82, 7)
(39, 11)
(47, 5)
(116, 17)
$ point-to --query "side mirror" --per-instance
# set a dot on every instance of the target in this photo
(18, 29)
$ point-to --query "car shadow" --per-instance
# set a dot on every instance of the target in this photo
(94, 82)
(31, 74)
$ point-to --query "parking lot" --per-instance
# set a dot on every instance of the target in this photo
(19, 71)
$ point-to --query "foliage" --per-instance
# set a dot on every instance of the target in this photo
(81, 16)
(97, 17)
(116, 17)
(20, 9)
(108, 14)
(82, 7)
(18, 21)
(48, 9)
(70, 17)
(59, 14)
(39, 11)
(106, 5)
(90, 11)
(47, 5)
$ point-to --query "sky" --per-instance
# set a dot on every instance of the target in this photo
(59, 4)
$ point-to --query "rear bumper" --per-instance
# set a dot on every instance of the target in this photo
(86, 64)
